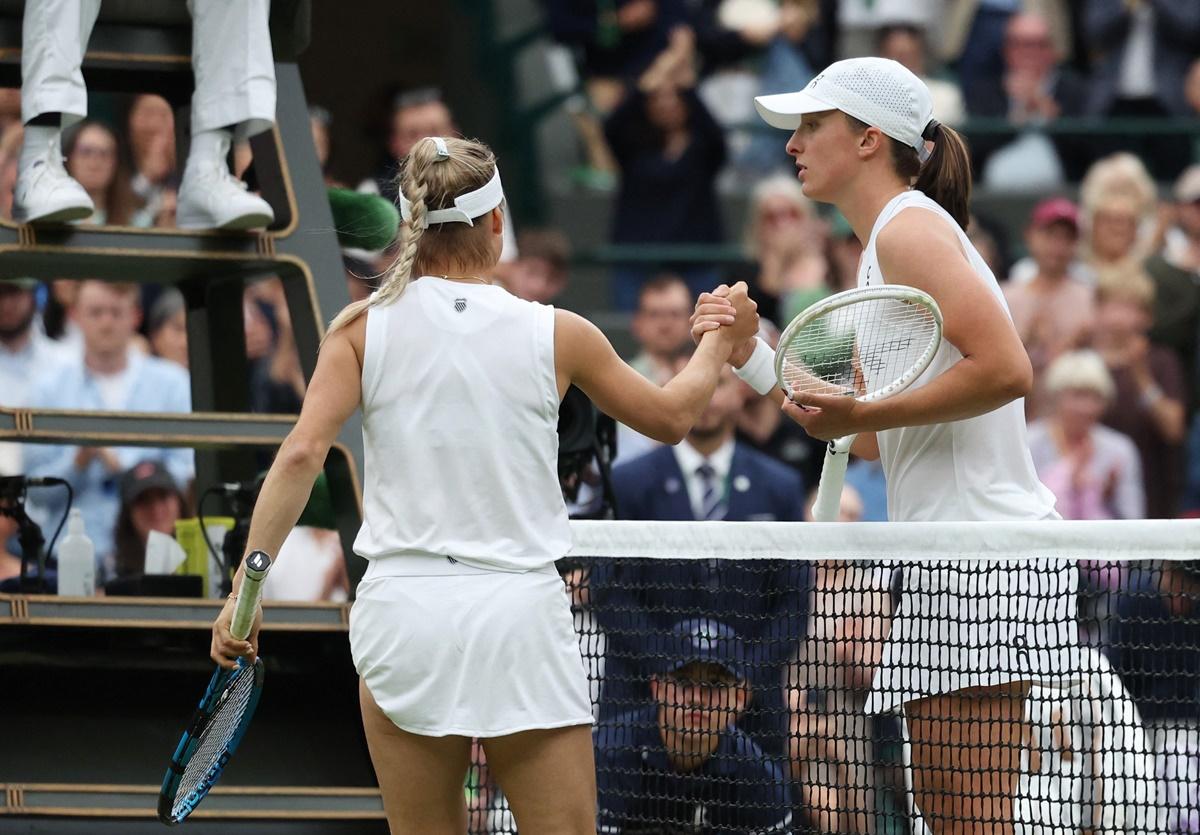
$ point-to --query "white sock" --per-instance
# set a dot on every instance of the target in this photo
(209, 146)
(35, 142)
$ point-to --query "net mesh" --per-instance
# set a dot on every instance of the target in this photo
(216, 736)
(887, 678)
(857, 349)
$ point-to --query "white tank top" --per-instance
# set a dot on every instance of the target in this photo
(460, 429)
(974, 469)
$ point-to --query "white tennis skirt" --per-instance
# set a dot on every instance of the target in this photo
(979, 623)
(447, 649)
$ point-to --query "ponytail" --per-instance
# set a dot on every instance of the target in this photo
(431, 176)
(946, 176)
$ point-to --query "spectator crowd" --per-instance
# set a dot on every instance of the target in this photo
(1101, 275)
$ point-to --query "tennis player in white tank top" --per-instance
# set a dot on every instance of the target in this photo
(461, 627)
(962, 654)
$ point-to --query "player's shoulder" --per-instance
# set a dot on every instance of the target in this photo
(914, 229)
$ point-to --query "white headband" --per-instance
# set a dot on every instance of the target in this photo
(473, 204)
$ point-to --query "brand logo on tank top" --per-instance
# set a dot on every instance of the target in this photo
(460, 305)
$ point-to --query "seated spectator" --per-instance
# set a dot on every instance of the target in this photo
(1094, 472)
(682, 764)
(1143, 50)
(661, 327)
(107, 376)
(1149, 401)
(166, 327)
(1153, 634)
(311, 564)
(859, 21)
(1119, 201)
(785, 241)
(710, 475)
(905, 43)
(416, 114)
(540, 270)
(150, 501)
(150, 126)
(93, 158)
(277, 382)
(1052, 311)
(1176, 275)
(26, 354)
(670, 151)
(1034, 88)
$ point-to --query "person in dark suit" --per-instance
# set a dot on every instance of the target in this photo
(1143, 51)
(1035, 88)
(709, 476)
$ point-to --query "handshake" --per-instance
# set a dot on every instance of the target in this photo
(733, 315)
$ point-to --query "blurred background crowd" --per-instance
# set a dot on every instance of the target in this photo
(1086, 112)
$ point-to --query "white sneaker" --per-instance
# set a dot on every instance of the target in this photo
(46, 193)
(212, 198)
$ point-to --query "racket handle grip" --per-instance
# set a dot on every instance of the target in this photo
(254, 571)
(828, 504)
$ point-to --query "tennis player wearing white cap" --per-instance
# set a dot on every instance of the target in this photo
(461, 627)
(968, 639)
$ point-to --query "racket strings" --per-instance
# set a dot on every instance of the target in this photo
(217, 734)
(859, 348)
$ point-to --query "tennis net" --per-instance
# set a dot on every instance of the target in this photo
(888, 678)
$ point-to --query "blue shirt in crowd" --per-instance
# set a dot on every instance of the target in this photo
(1154, 650)
(153, 385)
(739, 789)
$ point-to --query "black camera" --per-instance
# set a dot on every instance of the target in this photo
(587, 445)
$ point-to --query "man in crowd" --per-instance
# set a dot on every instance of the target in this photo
(1052, 311)
(681, 764)
(709, 476)
(661, 326)
(109, 376)
(25, 353)
(1153, 633)
(1035, 88)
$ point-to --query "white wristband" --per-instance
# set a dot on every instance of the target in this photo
(759, 370)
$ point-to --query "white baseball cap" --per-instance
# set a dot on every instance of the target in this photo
(879, 91)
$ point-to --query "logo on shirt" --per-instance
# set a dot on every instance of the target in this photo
(460, 305)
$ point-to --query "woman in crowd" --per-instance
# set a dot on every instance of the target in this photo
(93, 155)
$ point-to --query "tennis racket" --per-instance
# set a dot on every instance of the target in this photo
(868, 343)
(224, 713)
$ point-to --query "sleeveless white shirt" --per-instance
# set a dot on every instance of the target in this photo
(974, 469)
(460, 429)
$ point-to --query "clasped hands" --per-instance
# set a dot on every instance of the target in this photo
(823, 416)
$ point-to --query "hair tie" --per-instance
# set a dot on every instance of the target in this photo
(443, 153)
(930, 132)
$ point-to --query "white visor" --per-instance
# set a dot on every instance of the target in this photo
(466, 207)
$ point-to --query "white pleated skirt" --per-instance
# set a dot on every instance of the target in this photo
(446, 649)
(979, 623)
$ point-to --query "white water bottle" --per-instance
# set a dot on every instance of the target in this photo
(76, 560)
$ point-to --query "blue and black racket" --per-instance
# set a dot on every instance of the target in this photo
(224, 713)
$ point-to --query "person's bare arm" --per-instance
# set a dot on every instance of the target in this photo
(994, 368)
(333, 395)
(584, 356)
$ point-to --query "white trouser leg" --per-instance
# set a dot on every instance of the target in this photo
(234, 68)
(54, 36)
